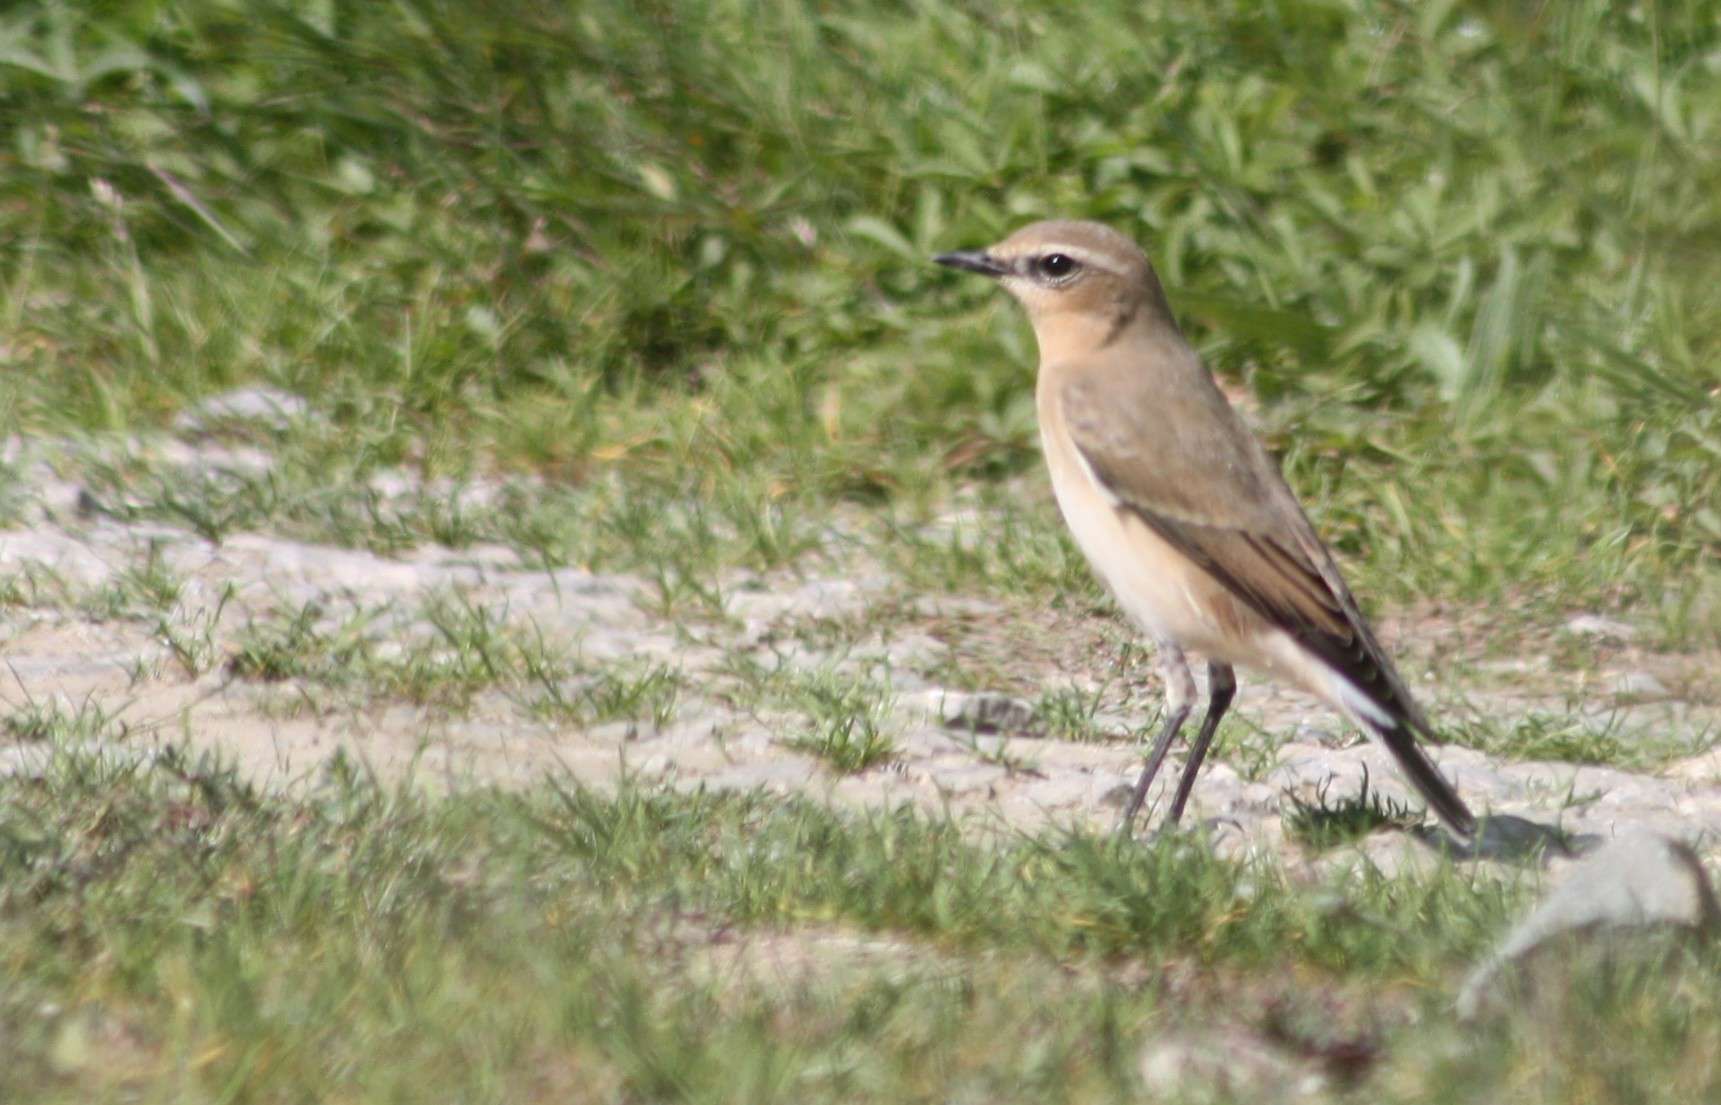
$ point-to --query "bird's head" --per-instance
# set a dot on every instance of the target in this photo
(1071, 277)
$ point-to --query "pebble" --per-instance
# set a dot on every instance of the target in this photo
(977, 712)
(1596, 625)
(1224, 1064)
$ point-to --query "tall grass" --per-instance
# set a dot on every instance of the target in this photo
(1463, 253)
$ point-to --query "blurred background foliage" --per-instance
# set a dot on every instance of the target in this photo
(1464, 256)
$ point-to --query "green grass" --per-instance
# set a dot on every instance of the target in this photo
(1574, 738)
(1070, 713)
(56, 721)
(168, 933)
(1463, 254)
(646, 692)
(461, 650)
(645, 288)
(847, 718)
(444, 656)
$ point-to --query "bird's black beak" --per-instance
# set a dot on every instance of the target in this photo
(973, 260)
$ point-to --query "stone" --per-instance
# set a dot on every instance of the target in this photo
(1223, 1065)
(976, 711)
(1639, 881)
(1595, 625)
(817, 598)
(61, 500)
(965, 778)
(1639, 685)
(61, 555)
(270, 407)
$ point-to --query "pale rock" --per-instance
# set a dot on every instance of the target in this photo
(1639, 685)
(963, 778)
(1640, 880)
(953, 756)
(492, 557)
(1596, 625)
(1223, 1065)
(60, 500)
(817, 598)
(782, 776)
(204, 460)
(1064, 792)
(393, 483)
(976, 711)
(266, 406)
(59, 554)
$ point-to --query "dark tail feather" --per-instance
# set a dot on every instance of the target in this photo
(1426, 778)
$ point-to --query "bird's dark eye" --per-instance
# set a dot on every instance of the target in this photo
(1057, 265)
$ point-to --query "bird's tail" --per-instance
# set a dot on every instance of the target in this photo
(1440, 795)
(1393, 719)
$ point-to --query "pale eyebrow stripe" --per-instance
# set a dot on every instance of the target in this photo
(1080, 254)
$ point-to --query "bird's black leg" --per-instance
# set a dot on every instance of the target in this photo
(1221, 688)
(1179, 697)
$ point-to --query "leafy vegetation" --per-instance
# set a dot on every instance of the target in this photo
(1463, 253)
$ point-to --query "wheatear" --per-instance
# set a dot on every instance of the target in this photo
(1181, 511)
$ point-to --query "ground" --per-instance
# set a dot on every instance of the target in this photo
(274, 668)
(522, 581)
(471, 665)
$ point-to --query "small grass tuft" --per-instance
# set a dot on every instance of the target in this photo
(1321, 825)
(635, 692)
(1581, 737)
(1069, 714)
(57, 721)
(848, 720)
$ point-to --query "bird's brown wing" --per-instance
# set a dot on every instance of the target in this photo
(1188, 468)
(1193, 474)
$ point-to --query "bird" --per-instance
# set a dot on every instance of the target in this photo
(1181, 511)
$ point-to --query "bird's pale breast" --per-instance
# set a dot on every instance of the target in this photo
(1159, 588)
